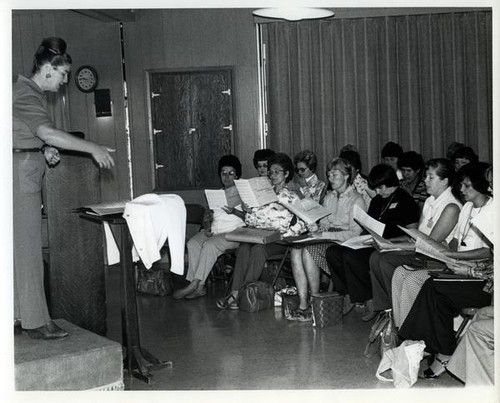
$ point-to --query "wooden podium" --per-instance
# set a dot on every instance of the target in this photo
(76, 275)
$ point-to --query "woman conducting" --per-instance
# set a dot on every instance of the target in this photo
(31, 130)
(251, 257)
(307, 261)
(206, 246)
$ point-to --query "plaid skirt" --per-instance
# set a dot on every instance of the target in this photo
(317, 251)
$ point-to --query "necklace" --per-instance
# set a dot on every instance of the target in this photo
(386, 206)
(468, 223)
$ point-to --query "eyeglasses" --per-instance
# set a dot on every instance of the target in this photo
(271, 172)
(301, 170)
(228, 173)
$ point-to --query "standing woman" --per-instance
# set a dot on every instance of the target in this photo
(31, 130)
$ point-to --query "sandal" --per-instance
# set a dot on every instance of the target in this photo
(228, 302)
(430, 374)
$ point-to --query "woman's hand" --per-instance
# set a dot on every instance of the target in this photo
(51, 155)
(102, 157)
(312, 227)
(228, 210)
(461, 268)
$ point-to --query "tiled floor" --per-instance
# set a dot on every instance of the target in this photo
(212, 349)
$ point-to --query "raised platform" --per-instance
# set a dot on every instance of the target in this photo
(81, 361)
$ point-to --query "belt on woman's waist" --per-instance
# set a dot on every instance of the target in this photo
(26, 150)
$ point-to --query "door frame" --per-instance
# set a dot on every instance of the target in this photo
(200, 69)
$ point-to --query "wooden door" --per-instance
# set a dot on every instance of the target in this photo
(191, 127)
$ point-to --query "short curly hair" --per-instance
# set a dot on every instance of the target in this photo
(230, 161)
(284, 162)
(262, 155)
(308, 158)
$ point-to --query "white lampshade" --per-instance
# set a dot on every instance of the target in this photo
(294, 13)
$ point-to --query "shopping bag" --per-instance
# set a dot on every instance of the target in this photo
(404, 363)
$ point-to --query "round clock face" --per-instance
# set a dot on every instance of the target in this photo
(86, 79)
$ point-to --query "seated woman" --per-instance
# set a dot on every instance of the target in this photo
(438, 219)
(407, 281)
(360, 181)
(309, 184)
(250, 257)
(350, 268)
(473, 361)
(307, 261)
(412, 168)
(463, 156)
(431, 317)
(206, 246)
(260, 158)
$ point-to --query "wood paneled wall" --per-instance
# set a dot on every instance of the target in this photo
(89, 42)
(179, 39)
(157, 39)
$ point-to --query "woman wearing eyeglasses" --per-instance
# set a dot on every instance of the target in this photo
(309, 184)
(206, 246)
(251, 258)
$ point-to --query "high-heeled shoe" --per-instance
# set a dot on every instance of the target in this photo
(430, 374)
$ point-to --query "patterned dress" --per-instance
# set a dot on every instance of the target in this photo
(340, 221)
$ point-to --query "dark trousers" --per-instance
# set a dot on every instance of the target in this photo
(439, 301)
(250, 260)
(350, 270)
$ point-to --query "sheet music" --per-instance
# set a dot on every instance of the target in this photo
(414, 233)
(216, 198)
(359, 242)
(256, 192)
(368, 222)
(425, 248)
(307, 210)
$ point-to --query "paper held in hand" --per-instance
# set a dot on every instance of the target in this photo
(367, 222)
(307, 210)
(107, 208)
(256, 192)
(216, 198)
(433, 249)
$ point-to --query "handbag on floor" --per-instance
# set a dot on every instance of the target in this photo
(383, 335)
(327, 309)
(256, 296)
(154, 281)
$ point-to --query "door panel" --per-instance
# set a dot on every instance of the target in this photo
(191, 113)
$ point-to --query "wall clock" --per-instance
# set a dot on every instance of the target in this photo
(86, 79)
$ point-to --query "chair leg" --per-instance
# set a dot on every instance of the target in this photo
(280, 267)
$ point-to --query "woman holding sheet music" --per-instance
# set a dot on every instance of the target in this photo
(438, 220)
(206, 246)
(251, 258)
(307, 261)
(350, 268)
(468, 244)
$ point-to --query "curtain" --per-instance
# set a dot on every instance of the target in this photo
(422, 81)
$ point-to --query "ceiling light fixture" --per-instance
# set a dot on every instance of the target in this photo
(294, 13)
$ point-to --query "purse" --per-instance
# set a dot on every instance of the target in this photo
(383, 335)
(327, 309)
(154, 281)
(256, 296)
